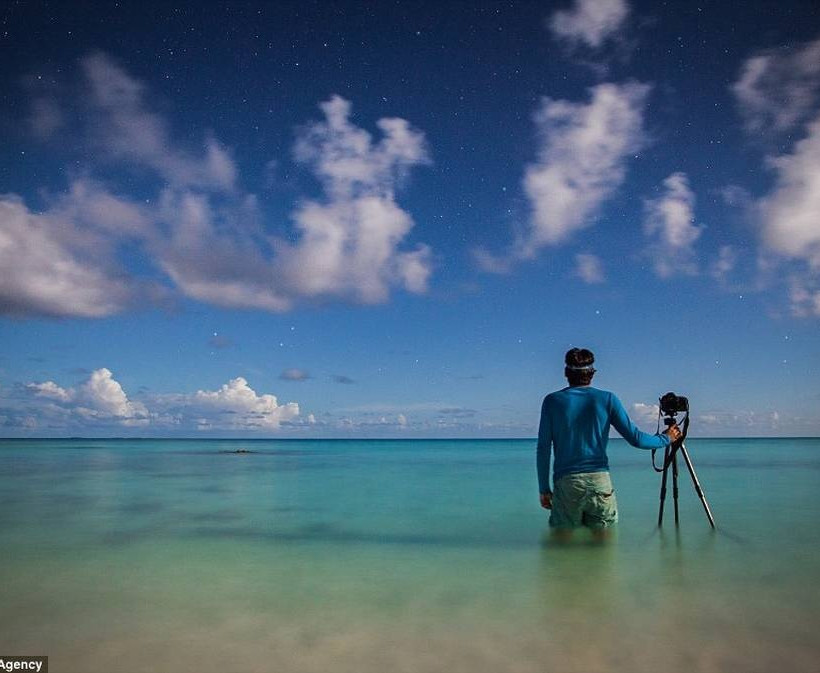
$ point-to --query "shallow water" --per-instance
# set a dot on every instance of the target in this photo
(415, 556)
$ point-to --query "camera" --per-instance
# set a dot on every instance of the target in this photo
(671, 404)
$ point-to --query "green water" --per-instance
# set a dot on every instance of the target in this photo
(376, 556)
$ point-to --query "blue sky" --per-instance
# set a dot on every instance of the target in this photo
(373, 219)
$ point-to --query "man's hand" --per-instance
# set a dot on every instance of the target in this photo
(546, 500)
(673, 432)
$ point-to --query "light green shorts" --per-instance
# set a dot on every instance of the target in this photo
(584, 499)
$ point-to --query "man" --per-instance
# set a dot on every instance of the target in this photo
(575, 422)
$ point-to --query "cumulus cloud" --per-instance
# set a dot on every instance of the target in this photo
(349, 245)
(345, 158)
(791, 212)
(216, 255)
(583, 149)
(101, 402)
(670, 224)
(589, 23)
(52, 391)
(100, 399)
(207, 235)
(53, 267)
(778, 89)
(582, 157)
(240, 405)
(589, 268)
(788, 218)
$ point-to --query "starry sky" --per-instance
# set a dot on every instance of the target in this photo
(345, 219)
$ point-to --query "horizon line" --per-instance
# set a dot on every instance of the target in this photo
(347, 439)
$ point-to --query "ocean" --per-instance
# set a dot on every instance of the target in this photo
(409, 555)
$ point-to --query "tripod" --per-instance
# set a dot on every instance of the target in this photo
(670, 458)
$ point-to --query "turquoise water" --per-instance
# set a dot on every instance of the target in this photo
(376, 556)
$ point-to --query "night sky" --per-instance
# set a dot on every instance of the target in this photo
(393, 219)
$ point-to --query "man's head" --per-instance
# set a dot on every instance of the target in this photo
(579, 370)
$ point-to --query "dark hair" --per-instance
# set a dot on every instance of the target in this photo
(579, 357)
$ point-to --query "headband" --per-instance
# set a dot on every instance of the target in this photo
(583, 368)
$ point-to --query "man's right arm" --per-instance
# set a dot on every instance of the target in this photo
(544, 449)
(629, 431)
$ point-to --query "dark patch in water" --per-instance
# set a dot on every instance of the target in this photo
(286, 509)
(319, 528)
(216, 516)
(71, 500)
(216, 488)
(177, 475)
(122, 538)
(255, 452)
(758, 464)
(140, 507)
(329, 533)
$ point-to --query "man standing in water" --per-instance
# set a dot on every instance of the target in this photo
(575, 423)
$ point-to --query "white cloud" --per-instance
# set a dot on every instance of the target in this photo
(53, 266)
(669, 223)
(791, 213)
(589, 268)
(349, 245)
(644, 414)
(236, 405)
(51, 390)
(101, 402)
(345, 158)
(789, 217)
(779, 89)
(589, 23)
(103, 397)
(215, 255)
(204, 232)
(582, 155)
(100, 399)
(744, 422)
(582, 161)
(126, 129)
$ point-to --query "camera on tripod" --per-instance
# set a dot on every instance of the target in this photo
(671, 405)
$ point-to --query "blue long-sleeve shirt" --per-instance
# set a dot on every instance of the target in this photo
(575, 422)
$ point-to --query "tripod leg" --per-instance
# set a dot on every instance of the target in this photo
(698, 489)
(675, 486)
(663, 484)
